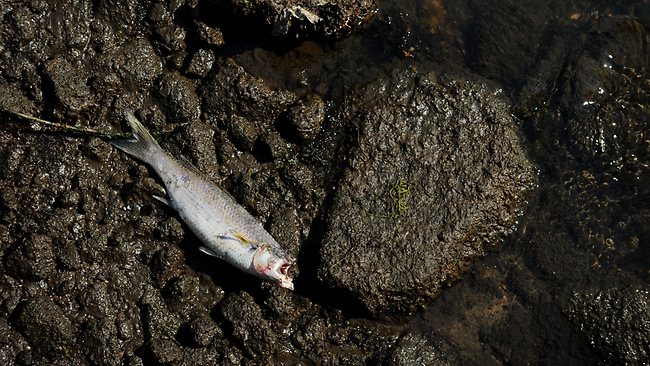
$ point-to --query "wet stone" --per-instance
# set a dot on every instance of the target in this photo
(137, 63)
(98, 339)
(167, 263)
(183, 289)
(165, 351)
(608, 117)
(69, 257)
(181, 100)
(231, 91)
(200, 63)
(32, 258)
(414, 349)
(249, 327)
(443, 154)
(243, 132)
(203, 329)
(170, 230)
(304, 119)
(271, 146)
(209, 35)
(44, 325)
(69, 84)
(616, 322)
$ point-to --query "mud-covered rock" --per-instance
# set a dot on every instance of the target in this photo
(32, 258)
(437, 177)
(241, 103)
(248, 325)
(70, 84)
(608, 119)
(200, 63)
(209, 35)
(182, 103)
(44, 324)
(203, 329)
(415, 349)
(504, 31)
(98, 339)
(137, 63)
(304, 119)
(324, 19)
(616, 322)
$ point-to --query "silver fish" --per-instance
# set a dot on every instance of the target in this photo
(226, 229)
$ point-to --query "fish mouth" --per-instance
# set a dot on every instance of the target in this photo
(283, 279)
(272, 267)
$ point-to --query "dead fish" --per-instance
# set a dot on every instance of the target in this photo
(226, 229)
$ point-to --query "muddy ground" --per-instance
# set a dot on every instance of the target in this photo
(460, 183)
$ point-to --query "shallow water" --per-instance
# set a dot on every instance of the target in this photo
(585, 228)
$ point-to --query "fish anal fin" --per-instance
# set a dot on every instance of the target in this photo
(164, 200)
(209, 251)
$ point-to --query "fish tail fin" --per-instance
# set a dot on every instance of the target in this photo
(143, 146)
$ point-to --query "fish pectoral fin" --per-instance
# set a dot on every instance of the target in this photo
(164, 200)
(209, 251)
(242, 239)
(238, 237)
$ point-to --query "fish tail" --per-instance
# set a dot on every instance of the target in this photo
(143, 146)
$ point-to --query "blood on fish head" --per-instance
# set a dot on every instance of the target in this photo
(272, 266)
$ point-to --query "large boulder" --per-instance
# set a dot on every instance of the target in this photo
(437, 176)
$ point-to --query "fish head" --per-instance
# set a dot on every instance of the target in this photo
(273, 266)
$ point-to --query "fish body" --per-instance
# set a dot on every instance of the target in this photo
(226, 229)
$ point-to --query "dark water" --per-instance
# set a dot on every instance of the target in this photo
(585, 230)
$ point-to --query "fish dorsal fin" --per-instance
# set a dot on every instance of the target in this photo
(164, 200)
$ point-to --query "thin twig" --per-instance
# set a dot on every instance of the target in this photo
(68, 128)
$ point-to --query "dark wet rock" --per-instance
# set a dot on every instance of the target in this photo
(209, 35)
(182, 103)
(171, 230)
(243, 132)
(200, 63)
(304, 119)
(11, 342)
(167, 263)
(11, 98)
(415, 349)
(203, 329)
(165, 351)
(596, 82)
(242, 104)
(437, 177)
(70, 84)
(330, 19)
(32, 258)
(505, 31)
(98, 339)
(616, 322)
(607, 119)
(45, 325)
(161, 326)
(248, 325)
(158, 13)
(271, 146)
(137, 63)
